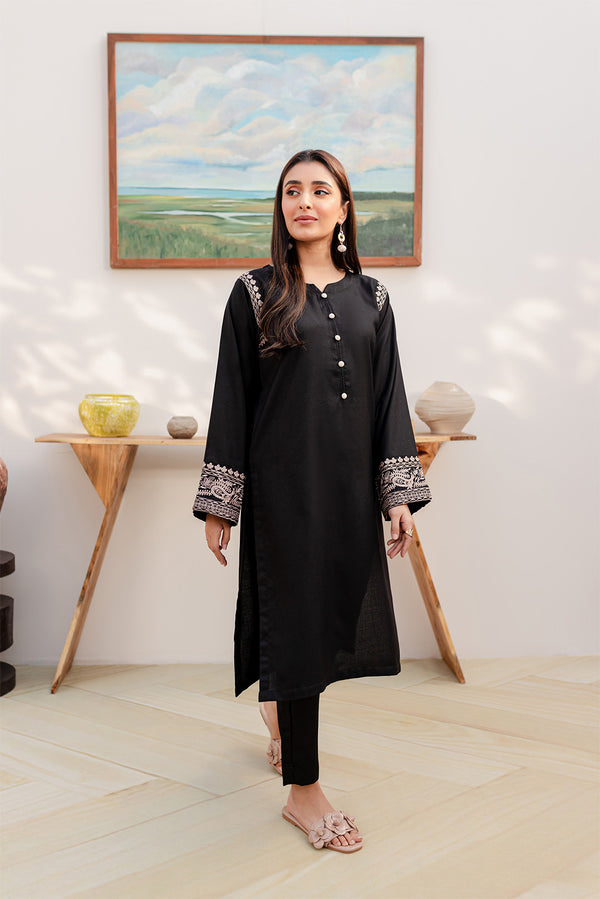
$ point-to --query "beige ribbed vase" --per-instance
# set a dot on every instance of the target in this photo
(445, 407)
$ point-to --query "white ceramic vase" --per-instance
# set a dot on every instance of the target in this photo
(445, 407)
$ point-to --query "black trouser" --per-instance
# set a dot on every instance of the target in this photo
(299, 728)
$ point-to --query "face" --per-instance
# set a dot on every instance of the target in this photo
(312, 202)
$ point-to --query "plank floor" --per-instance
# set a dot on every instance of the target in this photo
(152, 782)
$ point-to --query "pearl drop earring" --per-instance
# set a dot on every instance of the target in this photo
(341, 238)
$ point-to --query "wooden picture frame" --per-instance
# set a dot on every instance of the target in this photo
(200, 127)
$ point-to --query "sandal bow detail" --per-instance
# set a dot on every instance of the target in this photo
(326, 829)
(332, 825)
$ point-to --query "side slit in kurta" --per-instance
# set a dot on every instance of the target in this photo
(310, 447)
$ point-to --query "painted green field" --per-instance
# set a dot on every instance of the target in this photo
(160, 227)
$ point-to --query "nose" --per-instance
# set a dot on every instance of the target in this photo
(304, 201)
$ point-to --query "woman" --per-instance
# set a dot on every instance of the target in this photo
(310, 439)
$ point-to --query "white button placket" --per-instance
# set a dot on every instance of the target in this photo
(338, 339)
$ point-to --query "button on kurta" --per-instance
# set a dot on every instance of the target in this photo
(337, 337)
(324, 295)
(344, 396)
(332, 315)
(341, 363)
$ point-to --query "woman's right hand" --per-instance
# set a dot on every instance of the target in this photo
(217, 532)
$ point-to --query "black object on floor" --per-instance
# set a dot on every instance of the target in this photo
(7, 672)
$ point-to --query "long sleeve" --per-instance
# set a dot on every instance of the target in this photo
(399, 477)
(224, 471)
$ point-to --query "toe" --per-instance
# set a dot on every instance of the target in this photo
(336, 842)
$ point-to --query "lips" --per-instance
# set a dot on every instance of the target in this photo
(305, 218)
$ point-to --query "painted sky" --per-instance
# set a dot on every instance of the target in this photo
(230, 115)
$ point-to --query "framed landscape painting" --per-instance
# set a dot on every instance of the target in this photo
(200, 127)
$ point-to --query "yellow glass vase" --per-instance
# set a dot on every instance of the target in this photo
(109, 414)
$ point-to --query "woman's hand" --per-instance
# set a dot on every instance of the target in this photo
(217, 532)
(401, 520)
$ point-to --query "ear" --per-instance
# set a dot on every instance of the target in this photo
(344, 213)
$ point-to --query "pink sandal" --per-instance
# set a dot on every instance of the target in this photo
(326, 829)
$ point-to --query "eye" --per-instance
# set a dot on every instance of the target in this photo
(322, 190)
(291, 192)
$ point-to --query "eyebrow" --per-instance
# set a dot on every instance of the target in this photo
(312, 182)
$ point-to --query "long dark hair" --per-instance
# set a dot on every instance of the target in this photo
(286, 295)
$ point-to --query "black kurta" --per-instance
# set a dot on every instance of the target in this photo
(311, 446)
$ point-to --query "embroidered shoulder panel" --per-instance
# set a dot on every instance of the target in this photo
(400, 481)
(255, 298)
(221, 491)
(381, 295)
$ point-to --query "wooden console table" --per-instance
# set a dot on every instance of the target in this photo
(108, 461)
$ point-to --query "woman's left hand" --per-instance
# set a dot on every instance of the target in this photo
(401, 520)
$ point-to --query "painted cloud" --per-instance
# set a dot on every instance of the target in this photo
(229, 116)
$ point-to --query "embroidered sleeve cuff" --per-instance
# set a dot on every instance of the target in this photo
(220, 492)
(401, 481)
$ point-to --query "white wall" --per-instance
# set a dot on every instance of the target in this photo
(503, 304)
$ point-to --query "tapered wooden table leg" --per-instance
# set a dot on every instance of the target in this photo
(434, 609)
(108, 468)
(427, 453)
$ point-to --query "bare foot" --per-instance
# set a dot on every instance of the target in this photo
(268, 711)
(309, 803)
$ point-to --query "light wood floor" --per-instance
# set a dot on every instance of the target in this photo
(153, 782)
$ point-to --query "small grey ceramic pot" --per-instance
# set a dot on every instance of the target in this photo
(182, 427)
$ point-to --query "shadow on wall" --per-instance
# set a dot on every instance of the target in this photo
(65, 336)
(521, 344)
(61, 341)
